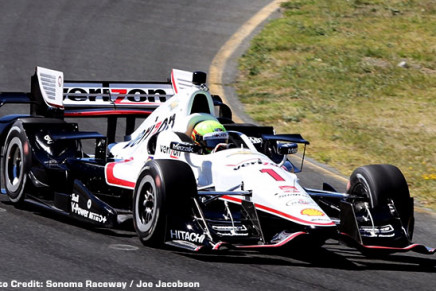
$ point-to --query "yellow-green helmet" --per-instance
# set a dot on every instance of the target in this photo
(208, 134)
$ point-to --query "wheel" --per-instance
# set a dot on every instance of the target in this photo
(163, 190)
(16, 164)
(382, 184)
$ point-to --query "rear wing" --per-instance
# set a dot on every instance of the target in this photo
(51, 96)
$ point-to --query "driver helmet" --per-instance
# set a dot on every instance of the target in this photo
(208, 134)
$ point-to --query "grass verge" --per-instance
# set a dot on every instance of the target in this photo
(357, 78)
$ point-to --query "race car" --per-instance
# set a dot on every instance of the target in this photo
(187, 176)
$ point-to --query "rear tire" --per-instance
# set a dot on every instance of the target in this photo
(16, 164)
(381, 184)
(164, 188)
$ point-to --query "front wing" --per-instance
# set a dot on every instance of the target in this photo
(199, 234)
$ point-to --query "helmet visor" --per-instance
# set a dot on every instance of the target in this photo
(212, 139)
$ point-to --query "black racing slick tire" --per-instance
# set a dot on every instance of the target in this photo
(382, 184)
(164, 188)
(16, 164)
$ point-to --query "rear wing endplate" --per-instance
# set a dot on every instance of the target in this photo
(51, 86)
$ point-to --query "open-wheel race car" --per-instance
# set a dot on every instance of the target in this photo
(188, 176)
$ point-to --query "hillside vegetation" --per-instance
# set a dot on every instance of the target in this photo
(357, 78)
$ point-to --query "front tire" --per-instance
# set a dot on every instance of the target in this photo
(16, 164)
(164, 189)
(383, 184)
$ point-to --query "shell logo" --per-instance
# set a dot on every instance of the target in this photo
(312, 212)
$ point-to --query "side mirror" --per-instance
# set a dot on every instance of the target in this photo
(287, 148)
(101, 149)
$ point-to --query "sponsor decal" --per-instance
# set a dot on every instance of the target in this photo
(229, 228)
(298, 202)
(294, 192)
(216, 135)
(48, 139)
(159, 126)
(251, 162)
(86, 213)
(284, 195)
(377, 231)
(75, 198)
(289, 189)
(255, 140)
(312, 212)
(123, 96)
(167, 150)
(188, 236)
(321, 219)
(183, 147)
(247, 163)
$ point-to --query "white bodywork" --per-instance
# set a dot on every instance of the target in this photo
(274, 189)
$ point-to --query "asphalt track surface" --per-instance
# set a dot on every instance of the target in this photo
(143, 40)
